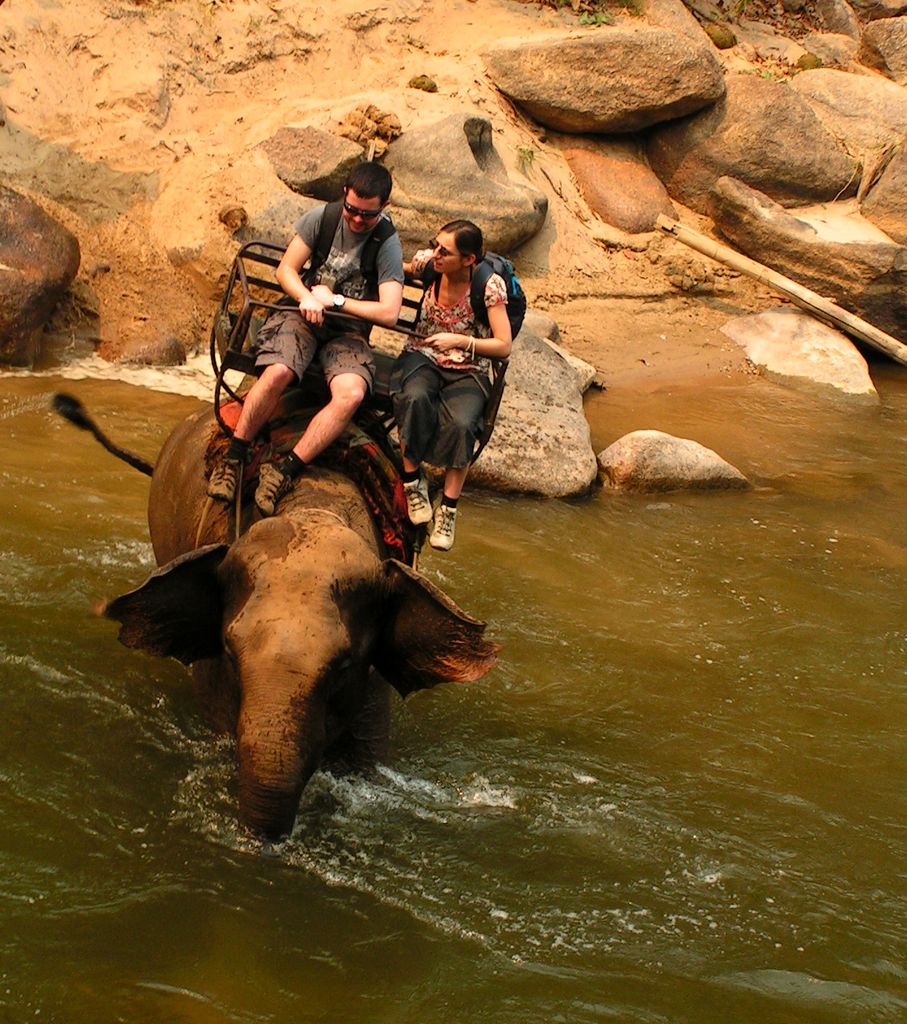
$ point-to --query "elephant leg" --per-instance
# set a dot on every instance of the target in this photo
(364, 741)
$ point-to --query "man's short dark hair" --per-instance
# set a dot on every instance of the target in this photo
(368, 179)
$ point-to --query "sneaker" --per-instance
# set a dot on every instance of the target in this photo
(272, 486)
(442, 536)
(224, 479)
(418, 505)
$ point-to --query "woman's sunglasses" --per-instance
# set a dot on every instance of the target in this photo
(354, 211)
(436, 246)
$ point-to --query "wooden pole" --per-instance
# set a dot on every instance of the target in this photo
(821, 308)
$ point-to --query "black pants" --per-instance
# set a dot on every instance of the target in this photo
(439, 412)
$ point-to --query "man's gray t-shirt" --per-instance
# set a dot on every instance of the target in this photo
(341, 270)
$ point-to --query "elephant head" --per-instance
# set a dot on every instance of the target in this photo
(291, 631)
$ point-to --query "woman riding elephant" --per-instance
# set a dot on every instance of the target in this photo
(441, 383)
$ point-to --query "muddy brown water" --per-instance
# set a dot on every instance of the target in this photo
(679, 798)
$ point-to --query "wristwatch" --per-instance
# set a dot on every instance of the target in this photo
(339, 300)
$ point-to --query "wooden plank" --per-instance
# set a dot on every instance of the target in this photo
(816, 305)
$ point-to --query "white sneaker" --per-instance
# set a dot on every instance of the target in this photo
(442, 536)
(418, 505)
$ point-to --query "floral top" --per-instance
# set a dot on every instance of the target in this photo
(457, 319)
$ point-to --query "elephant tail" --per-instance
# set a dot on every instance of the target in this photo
(69, 407)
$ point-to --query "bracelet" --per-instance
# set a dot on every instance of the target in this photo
(472, 349)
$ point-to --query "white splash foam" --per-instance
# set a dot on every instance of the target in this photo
(194, 379)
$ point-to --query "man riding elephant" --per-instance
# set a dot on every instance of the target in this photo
(359, 272)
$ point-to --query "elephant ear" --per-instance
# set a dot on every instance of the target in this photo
(425, 638)
(177, 611)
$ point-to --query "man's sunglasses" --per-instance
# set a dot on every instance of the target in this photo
(354, 211)
(436, 246)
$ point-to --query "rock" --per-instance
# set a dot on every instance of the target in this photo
(586, 372)
(541, 324)
(312, 162)
(886, 204)
(541, 442)
(148, 348)
(864, 112)
(884, 47)
(763, 133)
(873, 10)
(652, 461)
(866, 278)
(466, 179)
(368, 126)
(721, 34)
(809, 62)
(273, 217)
(687, 274)
(791, 344)
(39, 259)
(617, 182)
(767, 44)
(831, 48)
(618, 79)
(424, 83)
(838, 16)
(233, 217)
(674, 16)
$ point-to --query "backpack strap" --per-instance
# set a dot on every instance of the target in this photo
(427, 278)
(368, 263)
(480, 278)
(330, 219)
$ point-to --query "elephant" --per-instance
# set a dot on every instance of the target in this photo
(294, 630)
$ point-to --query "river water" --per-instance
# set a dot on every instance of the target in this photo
(679, 798)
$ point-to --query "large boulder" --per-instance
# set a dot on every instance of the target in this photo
(450, 169)
(866, 278)
(873, 10)
(886, 204)
(839, 17)
(311, 161)
(617, 182)
(832, 48)
(617, 79)
(39, 259)
(652, 461)
(884, 47)
(546, 328)
(796, 347)
(541, 442)
(864, 112)
(763, 133)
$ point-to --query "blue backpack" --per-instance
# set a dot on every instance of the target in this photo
(491, 263)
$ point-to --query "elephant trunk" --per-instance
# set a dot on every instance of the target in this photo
(279, 749)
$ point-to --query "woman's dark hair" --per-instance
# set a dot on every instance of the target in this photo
(368, 179)
(468, 237)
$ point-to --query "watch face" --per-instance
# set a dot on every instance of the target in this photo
(338, 300)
